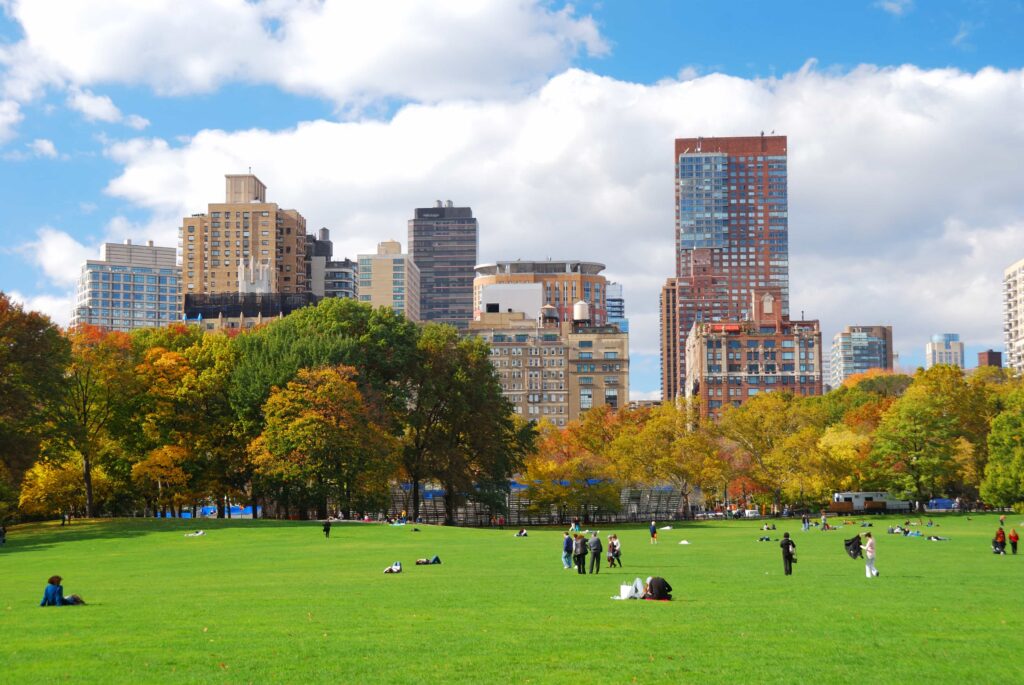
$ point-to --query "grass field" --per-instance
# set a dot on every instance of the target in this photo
(274, 602)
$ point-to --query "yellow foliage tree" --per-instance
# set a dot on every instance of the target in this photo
(53, 488)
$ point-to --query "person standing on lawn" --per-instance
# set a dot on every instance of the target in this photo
(327, 528)
(595, 552)
(579, 553)
(654, 533)
(788, 548)
(1013, 539)
(869, 557)
(567, 551)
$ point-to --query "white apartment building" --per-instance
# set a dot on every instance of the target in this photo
(130, 286)
(1013, 315)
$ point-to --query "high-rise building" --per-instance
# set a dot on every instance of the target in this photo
(944, 348)
(563, 283)
(243, 228)
(732, 231)
(444, 244)
(318, 252)
(326, 277)
(553, 369)
(1013, 315)
(730, 361)
(990, 358)
(128, 287)
(668, 319)
(390, 279)
(616, 304)
(341, 279)
(857, 349)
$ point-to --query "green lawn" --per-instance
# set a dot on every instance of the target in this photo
(274, 602)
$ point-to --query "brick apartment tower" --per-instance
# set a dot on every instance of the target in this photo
(245, 227)
(444, 243)
(732, 235)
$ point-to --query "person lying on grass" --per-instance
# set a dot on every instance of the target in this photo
(53, 596)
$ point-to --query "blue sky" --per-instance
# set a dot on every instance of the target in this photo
(555, 124)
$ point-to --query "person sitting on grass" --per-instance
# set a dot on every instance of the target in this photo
(53, 596)
(657, 588)
(522, 533)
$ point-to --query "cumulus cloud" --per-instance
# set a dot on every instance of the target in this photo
(41, 147)
(102, 108)
(58, 255)
(904, 183)
(57, 307)
(347, 52)
(38, 148)
(10, 116)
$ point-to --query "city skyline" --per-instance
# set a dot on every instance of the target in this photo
(553, 125)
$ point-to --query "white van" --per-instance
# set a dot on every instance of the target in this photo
(868, 501)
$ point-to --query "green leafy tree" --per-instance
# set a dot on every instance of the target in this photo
(33, 355)
(1004, 474)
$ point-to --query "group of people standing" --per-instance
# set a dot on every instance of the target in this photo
(575, 547)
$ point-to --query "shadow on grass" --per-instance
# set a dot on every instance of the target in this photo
(36, 536)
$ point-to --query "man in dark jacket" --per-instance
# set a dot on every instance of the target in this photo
(595, 553)
(788, 548)
(657, 588)
(579, 553)
(567, 551)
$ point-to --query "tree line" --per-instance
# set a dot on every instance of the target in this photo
(940, 432)
(323, 408)
(331, 405)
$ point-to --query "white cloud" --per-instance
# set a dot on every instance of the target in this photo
(58, 255)
(57, 307)
(101, 108)
(895, 7)
(10, 116)
(41, 147)
(962, 34)
(350, 53)
(904, 183)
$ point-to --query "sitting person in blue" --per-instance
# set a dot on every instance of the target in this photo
(53, 596)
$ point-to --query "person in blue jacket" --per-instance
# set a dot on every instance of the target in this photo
(53, 596)
(567, 551)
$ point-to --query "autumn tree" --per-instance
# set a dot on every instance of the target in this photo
(934, 439)
(771, 431)
(566, 477)
(57, 487)
(320, 442)
(98, 392)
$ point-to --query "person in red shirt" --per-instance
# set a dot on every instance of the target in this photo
(1013, 539)
(999, 544)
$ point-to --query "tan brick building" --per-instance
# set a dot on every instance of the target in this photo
(556, 370)
(390, 279)
(245, 227)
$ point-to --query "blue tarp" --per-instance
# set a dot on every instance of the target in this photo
(940, 503)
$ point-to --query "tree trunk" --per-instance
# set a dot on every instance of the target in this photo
(254, 503)
(227, 505)
(415, 499)
(87, 477)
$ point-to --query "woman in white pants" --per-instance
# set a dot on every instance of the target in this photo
(869, 557)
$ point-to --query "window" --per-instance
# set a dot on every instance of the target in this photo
(586, 398)
(611, 355)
